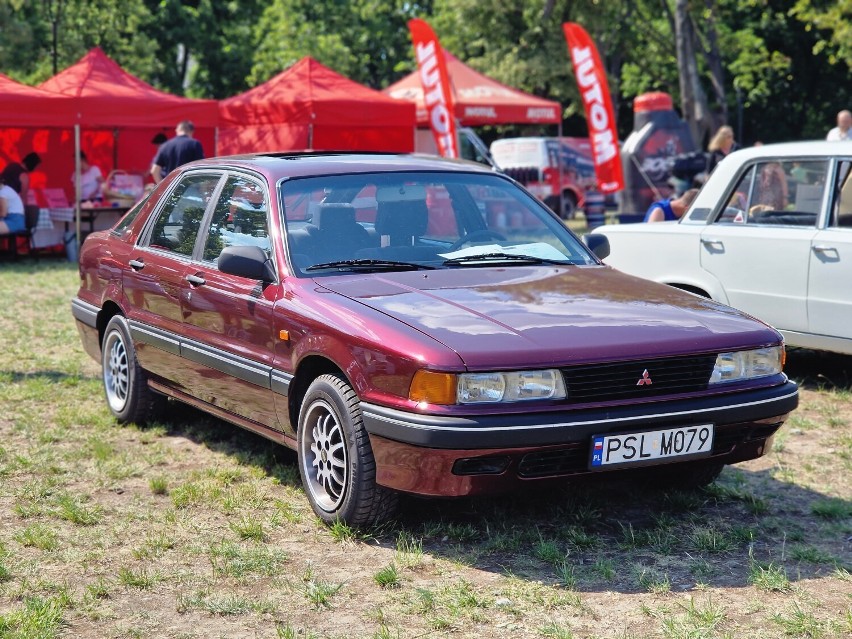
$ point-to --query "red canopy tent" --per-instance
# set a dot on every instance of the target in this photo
(309, 106)
(26, 106)
(29, 119)
(114, 106)
(479, 100)
(109, 105)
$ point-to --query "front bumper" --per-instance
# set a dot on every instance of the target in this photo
(421, 453)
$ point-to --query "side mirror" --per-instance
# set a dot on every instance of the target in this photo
(247, 261)
(598, 244)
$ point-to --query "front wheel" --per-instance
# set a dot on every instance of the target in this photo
(125, 381)
(335, 458)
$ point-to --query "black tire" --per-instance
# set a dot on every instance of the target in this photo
(569, 206)
(125, 382)
(686, 476)
(335, 458)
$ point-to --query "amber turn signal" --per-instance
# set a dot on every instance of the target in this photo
(433, 388)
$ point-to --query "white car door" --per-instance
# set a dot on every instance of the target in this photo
(763, 269)
(830, 273)
(759, 248)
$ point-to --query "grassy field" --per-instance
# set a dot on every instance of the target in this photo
(194, 528)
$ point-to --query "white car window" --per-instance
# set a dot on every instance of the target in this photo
(842, 217)
(778, 193)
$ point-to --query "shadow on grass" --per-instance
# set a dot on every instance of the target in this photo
(819, 370)
(607, 534)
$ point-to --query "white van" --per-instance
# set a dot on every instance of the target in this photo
(535, 163)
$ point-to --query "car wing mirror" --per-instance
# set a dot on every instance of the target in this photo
(598, 244)
(251, 262)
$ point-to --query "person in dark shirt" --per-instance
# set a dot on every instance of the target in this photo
(16, 174)
(179, 150)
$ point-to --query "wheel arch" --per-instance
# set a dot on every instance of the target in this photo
(109, 310)
(689, 288)
(307, 371)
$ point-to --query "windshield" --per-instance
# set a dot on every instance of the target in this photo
(405, 221)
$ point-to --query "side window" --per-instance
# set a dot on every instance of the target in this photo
(177, 223)
(783, 192)
(842, 208)
(239, 218)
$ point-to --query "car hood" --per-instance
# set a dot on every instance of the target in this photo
(530, 316)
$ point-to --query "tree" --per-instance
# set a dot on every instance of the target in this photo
(364, 40)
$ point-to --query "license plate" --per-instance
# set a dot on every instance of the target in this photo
(632, 449)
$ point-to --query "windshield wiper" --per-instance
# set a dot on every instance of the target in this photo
(502, 257)
(370, 264)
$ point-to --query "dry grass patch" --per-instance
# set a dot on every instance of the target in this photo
(191, 528)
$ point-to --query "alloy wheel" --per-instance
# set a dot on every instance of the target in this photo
(116, 372)
(324, 456)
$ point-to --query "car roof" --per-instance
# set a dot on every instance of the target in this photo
(793, 149)
(308, 163)
(722, 177)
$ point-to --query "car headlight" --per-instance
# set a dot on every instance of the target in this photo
(486, 388)
(520, 386)
(741, 365)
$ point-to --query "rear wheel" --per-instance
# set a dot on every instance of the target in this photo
(335, 458)
(125, 382)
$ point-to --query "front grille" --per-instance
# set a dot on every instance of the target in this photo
(620, 380)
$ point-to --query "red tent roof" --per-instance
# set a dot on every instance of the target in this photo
(107, 95)
(312, 106)
(311, 93)
(26, 106)
(479, 99)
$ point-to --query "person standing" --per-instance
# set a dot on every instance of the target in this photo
(179, 150)
(721, 144)
(670, 209)
(843, 130)
(16, 174)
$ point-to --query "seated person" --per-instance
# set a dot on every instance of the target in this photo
(771, 187)
(671, 208)
(11, 211)
(91, 180)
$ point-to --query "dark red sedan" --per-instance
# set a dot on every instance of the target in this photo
(415, 325)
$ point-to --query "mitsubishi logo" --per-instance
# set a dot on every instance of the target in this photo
(645, 380)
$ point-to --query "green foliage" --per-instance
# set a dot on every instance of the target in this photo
(785, 63)
(361, 39)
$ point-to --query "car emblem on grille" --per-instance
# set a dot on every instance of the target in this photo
(645, 380)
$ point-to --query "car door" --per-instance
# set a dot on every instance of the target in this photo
(228, 320)
(830, 273)
(759, 245)
(154, 283)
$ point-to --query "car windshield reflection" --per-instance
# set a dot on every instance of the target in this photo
(405, 221)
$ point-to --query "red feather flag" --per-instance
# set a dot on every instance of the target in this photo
(591, 77)
(437, 93)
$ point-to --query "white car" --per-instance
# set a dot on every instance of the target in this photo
(770, 234)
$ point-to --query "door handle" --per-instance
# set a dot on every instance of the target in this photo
(196, 280)
(711, 242)
(137, 265)
(819, 248)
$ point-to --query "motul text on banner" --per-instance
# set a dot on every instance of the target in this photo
(437, 93)
(591, 77)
